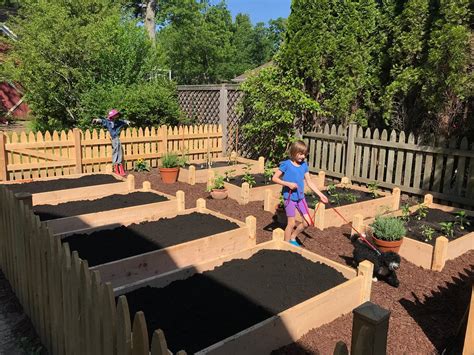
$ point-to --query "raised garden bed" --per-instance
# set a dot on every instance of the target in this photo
(132, 252)
(433, 254)
(200, 172)
(69, 188)
(252, 302)
(126, 208)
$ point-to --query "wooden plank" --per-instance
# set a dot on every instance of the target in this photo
(77, 150)
(374, 152)
(448, 171)
(339, 157)
(400, 160)
(439, 167)
(3, 157)
(417, 171)
(124, 336)
(47, 138)
(312, 151)
(95, 151)
(459, 179)
(324, 152)
(460, 246)
(332, 149)
(318, 163)
(391, 158)
(366, 155)
(109, 320)
(427, 170)
(468, 347)
(140, 335)
(358, 154)
(325, 136)
(382, 154)
(158, 343)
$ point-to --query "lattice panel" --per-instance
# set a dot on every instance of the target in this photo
(201, 106)
(234, 120)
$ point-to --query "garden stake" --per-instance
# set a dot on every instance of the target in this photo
(361, 236)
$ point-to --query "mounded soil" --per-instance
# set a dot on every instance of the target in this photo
(108, 245)
(433, 217)
(62, 184)
(112, 202)
(341, 197)
(200, 311)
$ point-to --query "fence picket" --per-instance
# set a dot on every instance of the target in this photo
(324, 160)
(409, 162)
(358, 154)
(95, 151)
(391, 158)
(418, 169)
(158, 343)
(439, 166)
(109, 319)
(459, 178)
(95, 316)
(374, 152)
(366, 154)
(140, 335)
(332, 148)
(382, 155)
(448, 172)
(339, 154)
(123, 335)
(318, 163)
(400, 160)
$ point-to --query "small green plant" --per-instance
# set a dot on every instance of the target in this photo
(331, 189)
(268, 172)
(281, 202)
(229, 175)
(388, 228)
(447, 228)
(373, 189)
(141, 165)
(350, 197)
(218, 183)
(248, 177)
(427, 232)
(172, 160)
(461, 219)
(406, 212)
(421, 212)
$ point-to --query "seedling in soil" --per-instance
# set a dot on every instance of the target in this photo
(141, 165)
(350, 197)
(268, 172)
(461, 219)
(421, 212)
(218, 183)
(406, 212)
(248, 178)
(229, 175)
(427, 232)
(447, 228)
(331, 189)
(373, 189)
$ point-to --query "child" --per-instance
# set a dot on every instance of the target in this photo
(291, 175)
(114, 126)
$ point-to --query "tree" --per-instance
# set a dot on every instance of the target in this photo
(69, 49)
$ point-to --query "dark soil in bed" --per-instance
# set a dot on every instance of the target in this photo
(62, 184)
(341, 197)
(215, 164)
(104, 246)
(433, 217)
(260, 180)
(112, 202)
(206, 308)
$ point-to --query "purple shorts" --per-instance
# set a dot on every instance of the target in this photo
(291, 207)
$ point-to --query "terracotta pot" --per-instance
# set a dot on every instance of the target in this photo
(219, 194)
(169, 175)
(385, 245)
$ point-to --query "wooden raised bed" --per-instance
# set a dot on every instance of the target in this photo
(191, 175)
(75, 224)
(290, 324)
(131, 269)
(59, 196)
(429, 256)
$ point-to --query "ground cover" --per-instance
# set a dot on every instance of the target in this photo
(199, 311)
(109, 245)
(62, 184)
(75, 208)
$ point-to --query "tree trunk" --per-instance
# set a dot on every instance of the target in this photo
(150, 20)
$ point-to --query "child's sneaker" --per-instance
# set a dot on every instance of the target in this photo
(294, 242)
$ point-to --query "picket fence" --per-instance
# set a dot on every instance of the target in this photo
(445, 170)
(70, 308)
(27, 156)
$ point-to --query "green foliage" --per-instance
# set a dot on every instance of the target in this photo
(427, 232)
(331, 189)
(67, 84)
(248, 177)
(388, 228)
(218, 183)
(276, 106)
(373, 189)
(141, 165)
(421, 212)
(268, 171)
(172, 160)
(229, 175)
(447, 228)
(462, 220)
(406, 212)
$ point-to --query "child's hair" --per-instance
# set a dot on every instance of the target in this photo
(297, 147)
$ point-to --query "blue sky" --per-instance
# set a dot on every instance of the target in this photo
(260, 10)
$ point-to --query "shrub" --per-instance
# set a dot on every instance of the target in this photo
(218, 183)
(172, 160)
(141, 165)
(388, 228)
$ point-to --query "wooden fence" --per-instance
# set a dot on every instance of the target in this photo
(26, 156)
(445, 169)
(70, 308)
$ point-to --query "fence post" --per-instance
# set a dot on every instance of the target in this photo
(223, 117)
(78, 150)
(3, 158)
(350, 150)
(369, 330)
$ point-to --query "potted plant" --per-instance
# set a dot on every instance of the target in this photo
(388, 233)
(170, 164)
(217, 189)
